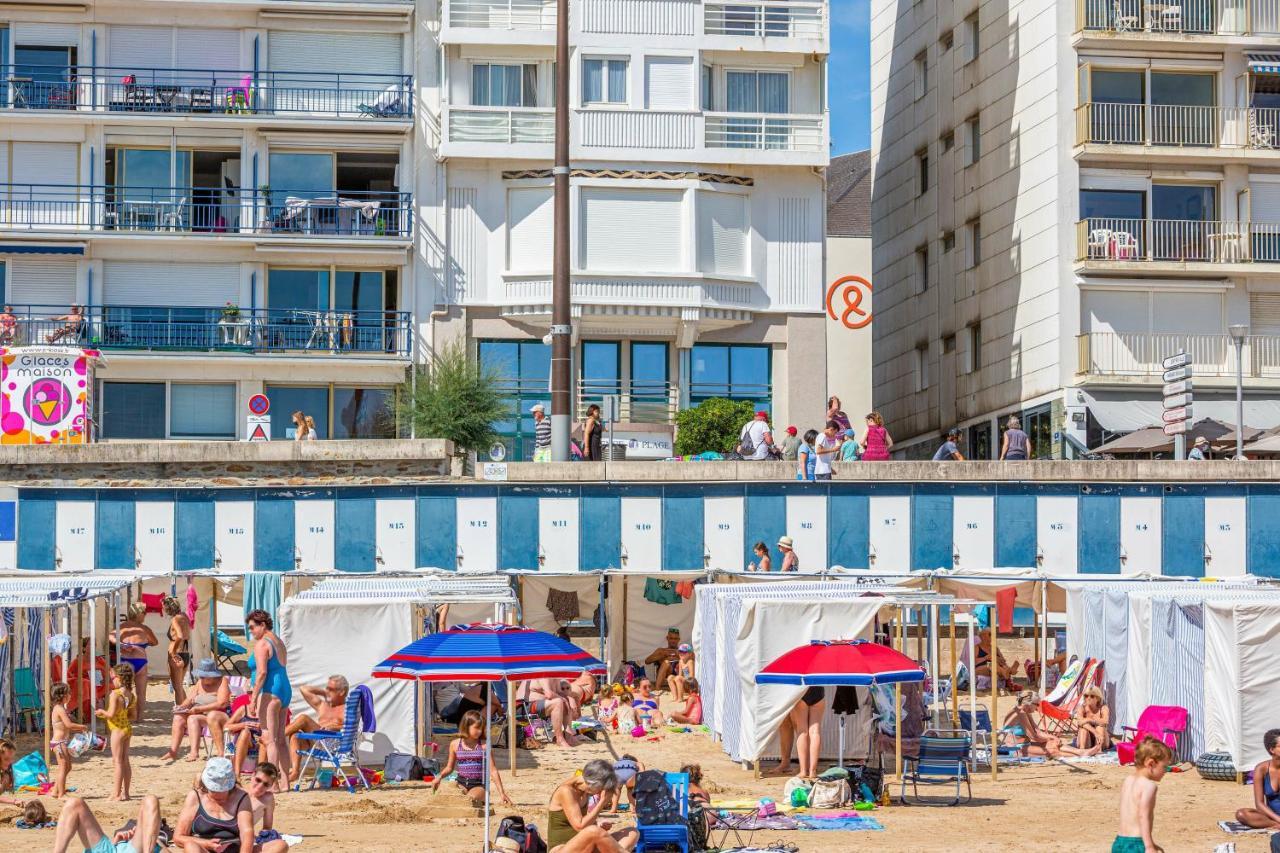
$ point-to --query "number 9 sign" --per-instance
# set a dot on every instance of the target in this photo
(851, 289)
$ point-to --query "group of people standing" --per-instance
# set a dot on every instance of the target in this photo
(1014, 446)
(815, 451)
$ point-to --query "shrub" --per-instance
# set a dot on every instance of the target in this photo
(711, 425)
(451, 397)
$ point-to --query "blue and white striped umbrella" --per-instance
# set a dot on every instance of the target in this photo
(488, 652)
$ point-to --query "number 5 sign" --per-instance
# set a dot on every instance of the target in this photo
(852, 289)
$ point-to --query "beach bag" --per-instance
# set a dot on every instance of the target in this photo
(698, 831)
(796, 783)
(870, 778)
(525, 835)
(30, 771)
(1216, 767)
(829, 793)
(629, 673)
(402, 767)
(746, 446)
(655, 806)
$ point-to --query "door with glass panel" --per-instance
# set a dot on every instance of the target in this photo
(298, 306)
(1115, 223)
(152, 190)
(759, 92)
(1184, 224)
(1117, 107)
(523, 371)
(303, 192)
(1183, 109)
(601, 372)
(363, 313)
(650, 399)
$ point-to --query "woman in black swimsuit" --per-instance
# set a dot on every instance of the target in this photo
(217, 810)
(179, 648)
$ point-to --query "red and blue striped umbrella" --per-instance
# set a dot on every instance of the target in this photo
(841, 662)
(488, 652)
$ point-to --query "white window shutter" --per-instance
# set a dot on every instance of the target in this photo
(722, 233)
(668, 83)
(529, 220)
(632, 230)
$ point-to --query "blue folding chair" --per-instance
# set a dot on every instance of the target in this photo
(336, 748)
(984, 742)
(225, 650)
(942, 760)
(660, 836)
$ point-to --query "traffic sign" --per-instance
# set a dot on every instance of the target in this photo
(1178, 360)
(1177, 374)
(259, 404)
(1176, 400)
(1182, 386)
(1174, 415)
(1176, 428)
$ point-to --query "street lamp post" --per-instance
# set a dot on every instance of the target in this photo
(561, 374)
(1239, 332)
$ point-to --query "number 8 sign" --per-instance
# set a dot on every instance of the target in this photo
(851, 289)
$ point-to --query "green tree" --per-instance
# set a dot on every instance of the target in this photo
(711, 425)
(451, 397)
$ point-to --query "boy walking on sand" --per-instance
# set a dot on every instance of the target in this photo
(1138, 798)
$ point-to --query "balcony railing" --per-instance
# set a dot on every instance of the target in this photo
(767, 19)
(1141, 354)
(209, 329)
(507, 125)
(206, 92)
(765, 132)
(1184, 17)
(1178, 126)
(501, 14)
(638, 401)
(205, 210)
(1177, 240)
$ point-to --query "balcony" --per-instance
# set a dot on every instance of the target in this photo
(185, 91)
(1198, 19)
(205, 210)
(767, 20)
(1203, 132)
(1121, 243)
(498, 21)
(765, 132)
(1139, 355)
(500, 125)
(152, 328)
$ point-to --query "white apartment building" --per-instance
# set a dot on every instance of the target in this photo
(1067, 193)
(300, 198)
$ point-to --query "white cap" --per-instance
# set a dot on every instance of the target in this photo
(538, 407)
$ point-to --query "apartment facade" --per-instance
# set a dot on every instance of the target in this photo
(1066, 194)
(303, 199)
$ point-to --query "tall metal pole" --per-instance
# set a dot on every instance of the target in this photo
(1240, 398)
(561, 377)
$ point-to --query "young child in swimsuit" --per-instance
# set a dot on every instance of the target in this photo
(684, 672)
(607, 707)
(60, 735)
(120, 712)
(467, 755)
(1138, 798)
(692, 713)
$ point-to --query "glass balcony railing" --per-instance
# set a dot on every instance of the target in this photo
(205, 210)
(208, 329)
(207, 92)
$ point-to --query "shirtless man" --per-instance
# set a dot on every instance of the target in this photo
(666, 657)
(330, 705)
(549, 698)
(263, 802)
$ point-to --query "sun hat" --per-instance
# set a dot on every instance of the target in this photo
(1200, 439)
(538, 407)
(218, 775)
(206, 668)
(684, 647)
(785, 542)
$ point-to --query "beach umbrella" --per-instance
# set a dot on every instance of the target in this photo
(488, 652)
(842, 663)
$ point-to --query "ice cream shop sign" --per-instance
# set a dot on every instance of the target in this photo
(45, 394)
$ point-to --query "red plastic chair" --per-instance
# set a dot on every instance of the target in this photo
(1163, 722)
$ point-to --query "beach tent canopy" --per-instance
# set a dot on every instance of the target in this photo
(1242, 683)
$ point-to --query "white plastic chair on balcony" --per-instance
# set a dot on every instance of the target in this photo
(1124, 246)
(1171, 19)
(172, 218)
(1122, 20)
(1099, 242)
(1261, 135)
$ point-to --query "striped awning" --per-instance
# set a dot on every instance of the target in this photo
(1264, 63)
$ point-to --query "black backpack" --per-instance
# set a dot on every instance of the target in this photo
(655, 806)
(526, 835)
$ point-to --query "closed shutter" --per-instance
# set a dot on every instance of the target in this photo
(42, 281)
(207, 50)
(46, 35)
(306, 61)
(137, 50)
(1264, 313)
(529, 219)
(55, 169)
(4, 164)
(1264, 202)
(722, 233)
(632, 230)
(668, 83)
(1118, 311)
(160, 283)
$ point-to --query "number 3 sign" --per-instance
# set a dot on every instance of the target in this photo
(851, 289)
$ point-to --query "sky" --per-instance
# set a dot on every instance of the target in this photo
(850, 76)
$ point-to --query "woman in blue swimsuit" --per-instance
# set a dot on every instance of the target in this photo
(271, 690)
(1265, 813)
(131, 643)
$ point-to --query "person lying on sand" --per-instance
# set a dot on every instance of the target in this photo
(76, 821)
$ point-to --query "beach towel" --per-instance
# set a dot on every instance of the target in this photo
(153, 603)
(193, 602)
(1232, 827)
(370, 722)
(1004, 609)
(857, 823)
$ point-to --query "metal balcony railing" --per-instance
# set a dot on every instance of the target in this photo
(1183, 17)
(765, 132)
(207, 92)
(1179, 240)
(501, 14)
(639, 401)
(765, 19)
(206, 210)
(1141, 354)
(1177, 126)
(505, 125)
(209, 329)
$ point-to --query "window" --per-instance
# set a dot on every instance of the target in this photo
(132, 410)
(948, 241)
(975, 243)
(757, 91)
(530, 217)
(922, 269)
(722, 233)
(202, 411)
(632, 230)
(523, 369)
(504, 85)
(311, 400)
(363, 413)
(708, 88)
(922, 74)
(948, 344)
(604, 81)
(735, 372)
(975, 347)
(973, 137)
(921, 367)
(948, 140)
(668, 83)
(948, 39)
(980, 446)
(147, 169)
(922, 165)
(971, 38)
(1037, 423)
(48, 71)
(649, 400)
(301, 175)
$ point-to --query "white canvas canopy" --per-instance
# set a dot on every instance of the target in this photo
(1242, 683)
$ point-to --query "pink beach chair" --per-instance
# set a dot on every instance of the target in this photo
(1163, 722)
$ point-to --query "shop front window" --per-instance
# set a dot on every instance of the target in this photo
(734, 372)
(523, 369)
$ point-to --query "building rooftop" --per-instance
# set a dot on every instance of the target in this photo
(849, 195)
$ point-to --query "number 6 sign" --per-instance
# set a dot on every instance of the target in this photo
(851, 289)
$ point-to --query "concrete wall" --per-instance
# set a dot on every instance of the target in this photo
(849, 353)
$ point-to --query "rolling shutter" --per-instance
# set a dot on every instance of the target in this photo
(4, 164)
(668, 82)
(212, 50)
(42, 281)
(46, 35)
(55, 169)
(722, 233)
(1264, 313)
(160, 283)
(135, 49)
(335, 53)
(529, 218)
(1264, 202)
(632, 230)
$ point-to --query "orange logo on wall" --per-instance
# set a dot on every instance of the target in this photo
(851, 293)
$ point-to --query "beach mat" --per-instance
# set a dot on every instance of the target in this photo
(841, 824)
(1232, 827)
(1110, 758)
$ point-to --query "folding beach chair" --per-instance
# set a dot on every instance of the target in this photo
(224, 650)
(1057, 710)
(979, 723)
(942, 760)
(339, 748)
(26, 698)
(1163, 722)
(662, 836)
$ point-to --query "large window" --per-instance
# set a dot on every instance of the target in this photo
(202, 411)
(735, 372)
(332, 309)
(757, 91)
(45, 74)
(1038, 425)
(132, 410)
(363, 413)
(300, 175)
(1183, 226)
(632, 230)
(311, 400)
(523, 369)
(148, 168)
(494, 85)
(1112, 204)
(604, 81)
(649, 375)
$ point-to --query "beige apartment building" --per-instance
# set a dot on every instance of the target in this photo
(1065, 194)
